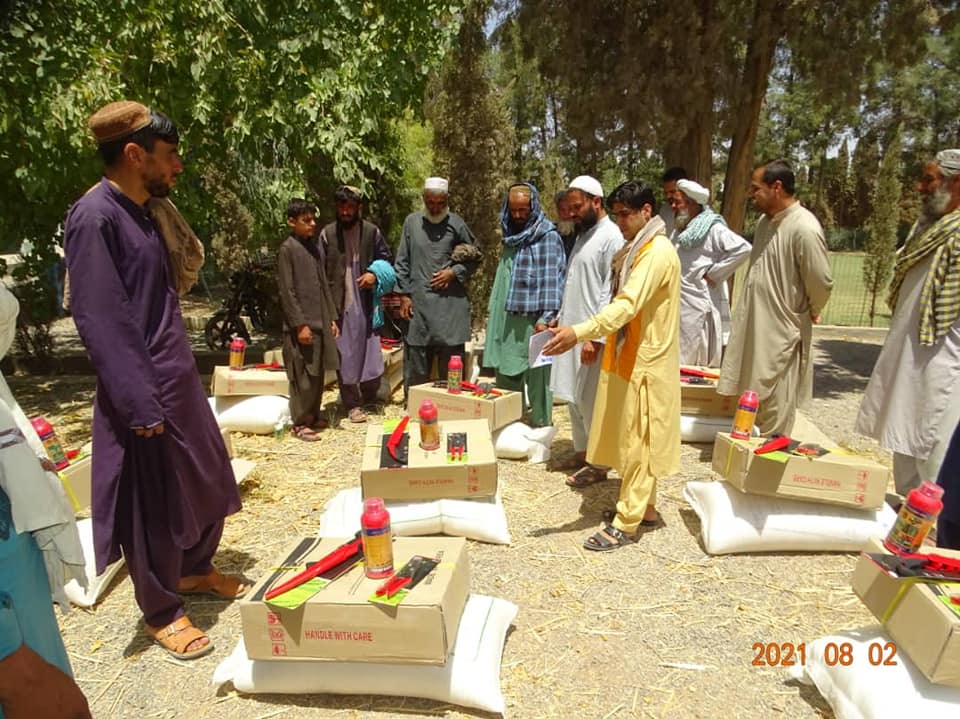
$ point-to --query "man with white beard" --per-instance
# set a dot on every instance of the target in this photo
(912, 402)
(710, 252)
(574, 375)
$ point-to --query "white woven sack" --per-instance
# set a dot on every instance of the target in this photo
(481, 519)
(518, 441)
(258, 414)
(733, 522)
(96, 584)
(470, 678)
(703, 429)
(862, 690)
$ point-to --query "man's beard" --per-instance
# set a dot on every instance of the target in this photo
(588, 220)
(436, 219)
(157, 187)
(350, 222)
(935, 204)
(681, 219)
(566, 227)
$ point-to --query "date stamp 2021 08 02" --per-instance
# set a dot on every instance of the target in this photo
(788, 654)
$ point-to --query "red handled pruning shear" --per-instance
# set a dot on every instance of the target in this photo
(456, 444)
(692, 372)
(271, 366)
(393, 442)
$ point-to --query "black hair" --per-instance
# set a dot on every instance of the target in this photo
(160, 127)
(634, 194)
(298, 206)
(672, 174)
(345, 194)
(779, 170)
(560, 197)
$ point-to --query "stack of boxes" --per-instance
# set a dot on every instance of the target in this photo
(339, 622)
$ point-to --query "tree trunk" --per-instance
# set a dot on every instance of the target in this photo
(768, 26)
(694, 151)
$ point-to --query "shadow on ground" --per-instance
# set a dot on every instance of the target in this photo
(842, 366)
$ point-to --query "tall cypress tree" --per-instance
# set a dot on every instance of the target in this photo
(473, 143)
(882, 225)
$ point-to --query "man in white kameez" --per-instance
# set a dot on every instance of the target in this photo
(574, 375)
(710, 252)
(669, 180)
(786, 288)
(912, 402)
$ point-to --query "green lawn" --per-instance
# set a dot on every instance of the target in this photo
(849, 303)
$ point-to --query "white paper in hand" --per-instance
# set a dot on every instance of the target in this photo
(537, 342)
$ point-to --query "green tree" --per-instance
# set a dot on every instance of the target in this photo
(474, 143)
(260, 91)
(882, 225)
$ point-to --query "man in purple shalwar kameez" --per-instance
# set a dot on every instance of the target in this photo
(162, 481)
(352, 245)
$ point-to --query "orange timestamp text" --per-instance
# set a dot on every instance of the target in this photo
(788, 654)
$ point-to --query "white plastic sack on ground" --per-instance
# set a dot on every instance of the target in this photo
(518, 441)
(703, 429)
(96, 585)
(864, 691)
(258, 414)
(734, 522)
(470, 678)
(480, 519)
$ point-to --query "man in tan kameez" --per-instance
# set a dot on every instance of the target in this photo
(636, 418)
(788, 283)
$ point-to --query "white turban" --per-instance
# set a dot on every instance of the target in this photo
(949, 162)
(695, 191)
(436, 185)
(587, 184)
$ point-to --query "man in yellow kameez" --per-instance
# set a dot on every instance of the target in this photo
(636, 420)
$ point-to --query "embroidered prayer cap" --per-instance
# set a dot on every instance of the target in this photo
(118, 119)
(694, 190)
(587, 184)
(436, 185)
(948, 161)
(346, 191)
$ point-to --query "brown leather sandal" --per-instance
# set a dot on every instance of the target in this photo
(177, 636)
(215, 584)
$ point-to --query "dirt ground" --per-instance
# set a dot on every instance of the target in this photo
(595, 632)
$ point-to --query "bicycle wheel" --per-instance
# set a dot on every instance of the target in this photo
(222, 328)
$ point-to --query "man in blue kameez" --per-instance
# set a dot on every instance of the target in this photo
(162, 482)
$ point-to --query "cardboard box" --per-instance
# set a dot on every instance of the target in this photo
(920, 623)
(498, 411)
(835, 478)
(339, 624)
(392, 372)
(428, 475)
(76, 478)
(227, 382)
(702, 399)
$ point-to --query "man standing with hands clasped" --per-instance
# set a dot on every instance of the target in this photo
(436, 256)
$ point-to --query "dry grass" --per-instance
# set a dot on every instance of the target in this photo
(656, 630)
